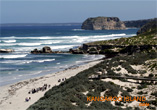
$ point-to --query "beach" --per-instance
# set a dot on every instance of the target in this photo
(12, 97)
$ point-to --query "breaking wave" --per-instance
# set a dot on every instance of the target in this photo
(13, 56)
(62, 37)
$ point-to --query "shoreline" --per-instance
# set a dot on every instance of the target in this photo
(12, 97)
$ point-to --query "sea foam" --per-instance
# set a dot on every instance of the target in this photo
(12, 56)
(8, 41)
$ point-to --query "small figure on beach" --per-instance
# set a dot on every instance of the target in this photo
(59, 80)
(26, 99)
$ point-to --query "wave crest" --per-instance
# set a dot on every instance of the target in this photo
(12, 56)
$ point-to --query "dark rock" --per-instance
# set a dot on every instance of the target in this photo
(93, 50)
(103, 23)
(108, 50)
(76, 51)
(6, 50)
(45, 49)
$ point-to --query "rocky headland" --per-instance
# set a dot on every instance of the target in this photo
(103, 23)
(148, 27)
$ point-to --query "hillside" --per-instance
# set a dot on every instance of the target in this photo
(136, 23)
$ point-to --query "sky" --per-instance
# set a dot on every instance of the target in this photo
(74, 11)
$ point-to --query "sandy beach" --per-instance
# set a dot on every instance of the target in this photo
(12, 97)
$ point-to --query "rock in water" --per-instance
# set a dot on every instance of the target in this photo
(45, 49)
(103, 23)
(6, 50)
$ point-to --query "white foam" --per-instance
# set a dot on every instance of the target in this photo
(12, 56)
(62, 47)
(10, 44)
(9, 41)
(77, 29)
(27, 61)
(58, 63)
(21, 44)
(62, 37)
(51, 41)
(36, 73)
(39, 61)
(29, 44)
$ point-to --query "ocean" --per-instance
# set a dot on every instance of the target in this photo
(21, 65)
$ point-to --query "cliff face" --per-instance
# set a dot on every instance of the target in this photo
(148, 27)
(137, 23)
(103, 23)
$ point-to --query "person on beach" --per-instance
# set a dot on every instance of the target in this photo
(59, 80)
(26, 99)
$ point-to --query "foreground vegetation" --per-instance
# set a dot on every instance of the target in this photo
(71, 91)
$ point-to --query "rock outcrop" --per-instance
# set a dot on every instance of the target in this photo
(137, 23)
(103, 23)
(148, 27)
(45, 49)
(6, 50)
(111, 50)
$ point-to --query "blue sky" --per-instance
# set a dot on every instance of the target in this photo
(38, 11)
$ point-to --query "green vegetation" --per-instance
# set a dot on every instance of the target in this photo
(149, 38)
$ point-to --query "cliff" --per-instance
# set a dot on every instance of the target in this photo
(137, 23)
(103, 23)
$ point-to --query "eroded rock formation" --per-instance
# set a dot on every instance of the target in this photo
(103, 23)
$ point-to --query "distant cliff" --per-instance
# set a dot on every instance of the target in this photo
(137, 23)
(148, 27)
(103, 23)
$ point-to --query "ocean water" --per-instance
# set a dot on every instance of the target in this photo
(21, 65)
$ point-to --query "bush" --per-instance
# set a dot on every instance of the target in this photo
(154, 93)
(142, 86)
(151, 75)
(129, 90)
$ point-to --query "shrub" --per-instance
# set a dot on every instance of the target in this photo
(129, 90)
